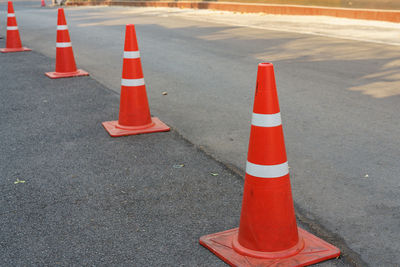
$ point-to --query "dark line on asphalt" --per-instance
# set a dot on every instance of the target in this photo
(346, 253)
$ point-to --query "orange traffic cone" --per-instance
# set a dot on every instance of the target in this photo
(43, 3)
(268, 234)
(65, 61)
(13, 41)
(134, 111)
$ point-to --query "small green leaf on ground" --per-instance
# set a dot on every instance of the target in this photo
(178, 166)
(214, 173)
(18, 181)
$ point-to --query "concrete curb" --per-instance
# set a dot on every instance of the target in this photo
(366, 14)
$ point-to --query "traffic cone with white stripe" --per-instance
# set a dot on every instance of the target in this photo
(43, 3)
(134, 112)
(268, 234)
(13, 41)
(65, 61)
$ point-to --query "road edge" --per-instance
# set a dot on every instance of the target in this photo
(364, 14)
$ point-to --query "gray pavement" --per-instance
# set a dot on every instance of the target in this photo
(86, 199)
(339, 102)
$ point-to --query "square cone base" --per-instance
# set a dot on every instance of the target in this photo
(158, 126)
(13, 50)
(58, 75)
(315, 250)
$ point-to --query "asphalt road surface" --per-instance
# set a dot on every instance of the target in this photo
(73, 196)
(339, 102)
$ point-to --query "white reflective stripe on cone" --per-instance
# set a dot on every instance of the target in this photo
(62, 45)
(266, 120)
(13, 28)
(132, 82)
(267, 171)
(131, 54)
(11, 15)
(62, 27)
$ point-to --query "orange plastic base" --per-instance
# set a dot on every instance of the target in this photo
(57, 75)
(114, 131)
(315, 250)
(12, 50)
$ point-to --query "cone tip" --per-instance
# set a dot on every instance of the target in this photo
(10, 7)
(61, 11)
(265, 65)
(130, 38)
(61, 17)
